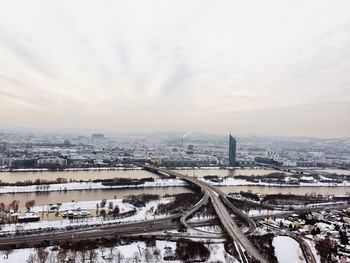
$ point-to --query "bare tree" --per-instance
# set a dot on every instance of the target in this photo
(42, 254)
(7, 252)
(156, 254)
(62, 255)
(148, 256)
(14, 205)
(2, 207)
(32, 258)
(72, 256)
(29, 204)
(110, 205)
(82, 253)
(136, 257)
(119, 257)
(103, 213)
(92, 255)
(115, 211)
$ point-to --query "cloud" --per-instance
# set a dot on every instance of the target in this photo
(28, 55)
(174, 65)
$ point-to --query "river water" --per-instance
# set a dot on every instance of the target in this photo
(13, 177)
(86, 195)
(89, 195)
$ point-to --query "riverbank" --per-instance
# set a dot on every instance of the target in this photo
(87, 186)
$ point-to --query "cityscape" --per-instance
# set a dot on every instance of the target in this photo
(143, 195)
(174, 131)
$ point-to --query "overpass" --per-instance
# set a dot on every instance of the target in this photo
(217, 198)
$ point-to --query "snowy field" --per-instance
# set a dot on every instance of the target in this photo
(287, 250)
(137, 251)
(87, 186)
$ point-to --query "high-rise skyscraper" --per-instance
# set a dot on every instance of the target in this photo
(232, 151)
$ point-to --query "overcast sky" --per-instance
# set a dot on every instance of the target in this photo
(246, 67)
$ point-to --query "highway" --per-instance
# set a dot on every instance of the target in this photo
(188, 213)
(233, 230)
(106, 231)
(216, 197)
(148, 228)
(224, 197)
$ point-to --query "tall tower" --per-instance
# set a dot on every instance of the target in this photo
(232, 151)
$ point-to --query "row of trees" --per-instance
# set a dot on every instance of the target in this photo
(275, 199)
(111, 210)
(14, 205)
(11, 206)
(182, 202)
(37, 181)
(5, 215)
(140, 200)
(124, 181)
(187, 249)
(327, 249)
(87, 251)
(264, 245)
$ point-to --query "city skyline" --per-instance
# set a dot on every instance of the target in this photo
(248, 68)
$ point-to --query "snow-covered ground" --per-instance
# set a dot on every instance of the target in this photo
(287, 250)
(87, 186)
(309, 240)
(143, 213)
(200, 217)
(210, 229)
(264, 212)
(126, 253)
(85, 205)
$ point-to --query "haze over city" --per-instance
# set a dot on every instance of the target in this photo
(258, 67)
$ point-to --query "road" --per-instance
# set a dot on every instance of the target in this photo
(150, 227)
(216, 197)
(309, 256)
(188, 213)
(106, 231)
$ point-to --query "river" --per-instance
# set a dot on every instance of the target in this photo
(86, 195)
(89, 195)
(13, 177)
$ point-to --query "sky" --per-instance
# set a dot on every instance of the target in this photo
(248, 67)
